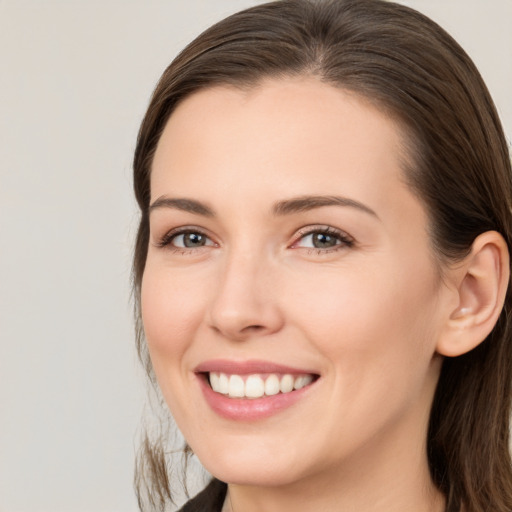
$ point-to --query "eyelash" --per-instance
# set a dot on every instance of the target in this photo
(167, 239)
(345, 241)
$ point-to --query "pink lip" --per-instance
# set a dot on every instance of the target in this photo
(248, 367)
(249, 409)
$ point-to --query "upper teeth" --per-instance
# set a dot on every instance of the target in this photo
(255, 386)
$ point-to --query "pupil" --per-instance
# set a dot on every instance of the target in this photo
(322, 241)
(193, 240)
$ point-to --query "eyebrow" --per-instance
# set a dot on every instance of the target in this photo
(184, 204)
(286, 207)
(306, 203)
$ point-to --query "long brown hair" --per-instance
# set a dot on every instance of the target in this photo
(407, 65)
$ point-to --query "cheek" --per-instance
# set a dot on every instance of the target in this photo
(378, 318)
(170, 311)
(376, 332)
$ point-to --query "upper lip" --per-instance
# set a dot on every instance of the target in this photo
(248, 367)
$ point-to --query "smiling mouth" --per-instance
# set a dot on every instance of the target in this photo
(257, 385)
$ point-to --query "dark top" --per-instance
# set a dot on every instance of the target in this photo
(211, 499)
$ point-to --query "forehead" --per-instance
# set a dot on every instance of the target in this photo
(284, 135)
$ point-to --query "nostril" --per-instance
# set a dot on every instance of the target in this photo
(249, 329)
(253, 328)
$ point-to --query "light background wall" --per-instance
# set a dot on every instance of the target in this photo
(75, 78)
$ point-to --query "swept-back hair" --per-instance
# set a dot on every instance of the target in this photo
(409, 67)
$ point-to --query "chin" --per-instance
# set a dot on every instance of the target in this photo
(254, 476)
(252, 467)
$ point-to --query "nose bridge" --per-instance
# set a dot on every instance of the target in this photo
(244, 303)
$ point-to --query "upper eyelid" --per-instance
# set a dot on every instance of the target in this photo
(312, 228)
(345, 240)
(319, 228)
(166, 238)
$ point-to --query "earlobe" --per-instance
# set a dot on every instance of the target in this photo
(481, 282)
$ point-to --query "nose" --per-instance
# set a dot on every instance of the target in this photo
(245, 303)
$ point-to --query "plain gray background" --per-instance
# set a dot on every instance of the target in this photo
(75, 79)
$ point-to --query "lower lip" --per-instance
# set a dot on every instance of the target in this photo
(250, 409)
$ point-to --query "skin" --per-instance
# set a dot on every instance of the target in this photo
(366, 315)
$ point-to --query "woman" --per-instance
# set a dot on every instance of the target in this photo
(322, 265)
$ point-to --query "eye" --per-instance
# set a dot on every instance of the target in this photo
(323, 239)
(190, 240)
(319, 241)
(186, 239)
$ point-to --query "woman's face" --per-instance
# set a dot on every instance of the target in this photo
(286, 250)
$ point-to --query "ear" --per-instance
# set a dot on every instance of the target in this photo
(480, 283)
